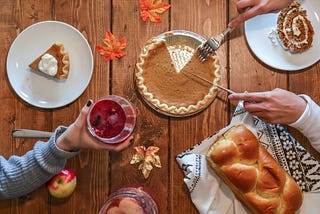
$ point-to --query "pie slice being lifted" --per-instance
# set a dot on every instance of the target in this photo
(53, 62)
(176, 93)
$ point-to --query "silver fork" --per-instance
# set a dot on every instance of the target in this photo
(212, 44)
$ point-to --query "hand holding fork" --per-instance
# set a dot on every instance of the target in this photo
(212, 44)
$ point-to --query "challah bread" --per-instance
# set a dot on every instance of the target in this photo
(252, 174)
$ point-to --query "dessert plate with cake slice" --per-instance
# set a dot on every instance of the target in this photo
(49, 64)
(163, 78)
(288, 40)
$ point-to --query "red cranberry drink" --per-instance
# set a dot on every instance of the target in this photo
(130, 200)
(107, 119)
(111, 119)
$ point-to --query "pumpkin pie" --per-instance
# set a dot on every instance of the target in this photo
(176, 93)
(294, 29)
(53, 62)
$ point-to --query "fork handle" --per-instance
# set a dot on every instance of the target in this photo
(227, 30)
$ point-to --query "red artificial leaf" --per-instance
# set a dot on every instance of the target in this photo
(151, 8)
(113, 47)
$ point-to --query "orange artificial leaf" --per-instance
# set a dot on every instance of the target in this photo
(113, 47)
(151, 8)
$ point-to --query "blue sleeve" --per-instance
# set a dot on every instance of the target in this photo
(20, 175)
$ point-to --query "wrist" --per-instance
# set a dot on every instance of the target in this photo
(301, 107)
(302, 111)
(63, 144)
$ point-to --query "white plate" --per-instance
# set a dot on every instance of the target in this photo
(258, 29)
(40, 90)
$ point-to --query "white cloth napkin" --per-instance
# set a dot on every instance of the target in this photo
(211, 196)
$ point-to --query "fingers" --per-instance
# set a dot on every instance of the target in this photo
(124, 144)
(83, 113)
(116, 147)
(248, 9)
(245, 15)
(261, 111)
(89, 103)
(248, 97)
(243, 5)
(235, 22)
(242, 8)
(254, 108)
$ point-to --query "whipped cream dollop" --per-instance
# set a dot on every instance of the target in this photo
(48, 64)
(272, 35)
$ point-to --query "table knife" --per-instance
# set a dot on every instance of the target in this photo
(218, 86)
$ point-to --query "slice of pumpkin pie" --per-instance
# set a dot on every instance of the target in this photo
(175, 92)
(53, 62)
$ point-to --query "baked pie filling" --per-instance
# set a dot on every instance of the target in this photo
(53, 62)
(171, 91)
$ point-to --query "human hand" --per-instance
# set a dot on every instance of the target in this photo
(77, 136)
(276, 106)
(250, 8)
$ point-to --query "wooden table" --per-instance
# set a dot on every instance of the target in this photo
(102, 172)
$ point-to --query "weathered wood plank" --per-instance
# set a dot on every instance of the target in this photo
(17, 113)
(90, 18)
(205, 18)
(100, 173)
(152, 128)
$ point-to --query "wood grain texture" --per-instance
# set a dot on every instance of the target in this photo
(205, 18)
(152, 128)
(100, 172)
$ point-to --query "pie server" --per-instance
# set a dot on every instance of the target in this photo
(28, 133)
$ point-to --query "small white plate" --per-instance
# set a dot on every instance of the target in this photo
(258, 29)
(41, 90)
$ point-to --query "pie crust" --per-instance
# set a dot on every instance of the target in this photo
(58, 51)
(172, 92)
(294, 29)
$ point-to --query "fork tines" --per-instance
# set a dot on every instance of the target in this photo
(212, 44)
(205, 50)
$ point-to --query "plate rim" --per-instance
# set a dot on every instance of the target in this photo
(90, 60)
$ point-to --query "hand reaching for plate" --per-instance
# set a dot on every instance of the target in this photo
(251, 8)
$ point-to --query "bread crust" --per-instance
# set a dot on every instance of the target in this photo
(252, 174)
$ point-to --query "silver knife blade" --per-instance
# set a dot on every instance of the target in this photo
(28, 133)
(218, 86)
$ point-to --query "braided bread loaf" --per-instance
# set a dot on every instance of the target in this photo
(252, 174)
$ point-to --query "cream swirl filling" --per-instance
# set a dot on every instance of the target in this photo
(294, 28)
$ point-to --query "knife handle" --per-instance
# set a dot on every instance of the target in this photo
(28, 133)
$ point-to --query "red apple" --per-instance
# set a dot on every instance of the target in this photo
(62, 184)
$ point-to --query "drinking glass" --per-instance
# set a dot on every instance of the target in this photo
(112, 119)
